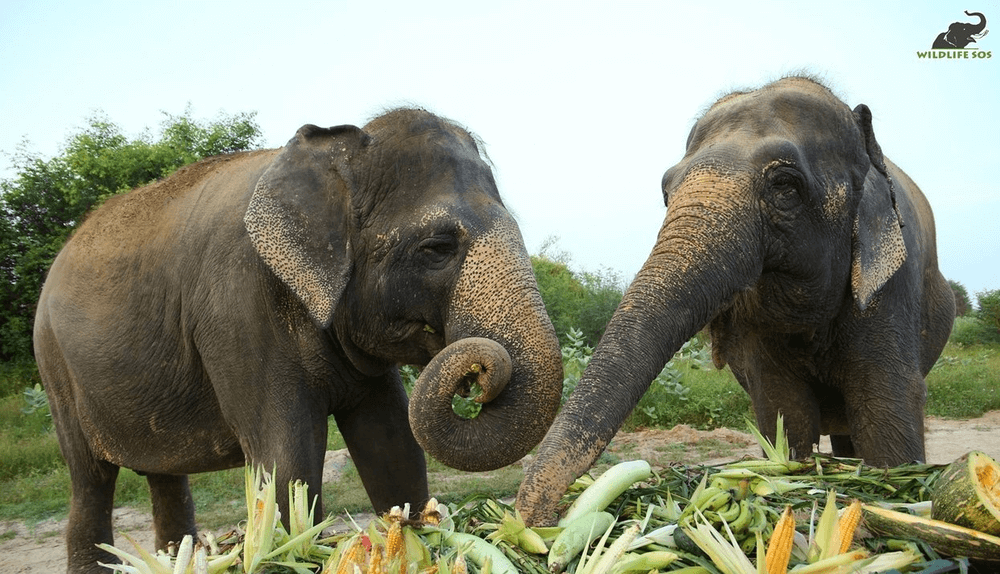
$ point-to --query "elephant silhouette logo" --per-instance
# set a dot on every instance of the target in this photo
(961, 34)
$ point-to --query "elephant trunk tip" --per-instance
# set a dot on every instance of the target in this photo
(512, 413)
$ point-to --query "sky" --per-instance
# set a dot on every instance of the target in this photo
(582, 105)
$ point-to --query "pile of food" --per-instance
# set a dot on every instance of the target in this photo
(748, 516)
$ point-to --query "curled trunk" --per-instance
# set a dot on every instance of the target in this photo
(704, 255)
(978, 28)
(499, 337)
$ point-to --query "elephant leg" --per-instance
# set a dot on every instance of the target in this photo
(293, 452)
(92, 481)
(389, 461)
(842, 445)
(173, 508)
(797, 405)
(89, 521)
(886, 418)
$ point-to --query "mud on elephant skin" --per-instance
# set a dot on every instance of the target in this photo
(221, 316)
(812, 259)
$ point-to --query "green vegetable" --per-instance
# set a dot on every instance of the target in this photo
(608, 487)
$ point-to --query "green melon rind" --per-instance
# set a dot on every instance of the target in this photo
(947, 539)
(958, 498)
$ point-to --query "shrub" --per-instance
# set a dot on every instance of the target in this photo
(989, 308)
(968, 331)
(962, 303)
(584, 301)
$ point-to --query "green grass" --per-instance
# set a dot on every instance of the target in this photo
(27, 443)
(965, 382)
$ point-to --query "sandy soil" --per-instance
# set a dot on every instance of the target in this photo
(39, 548)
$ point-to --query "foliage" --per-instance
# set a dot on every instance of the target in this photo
(48, 198)
(17, 375)
(989, 308)
(962, 303)
(686, 390)
(970, 331)
(575, 357)
(584, 301)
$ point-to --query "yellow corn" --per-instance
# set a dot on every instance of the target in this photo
(375, 564)
(779, 549)
(848, 523)
(394, 545)
(459, 566)
(353, 557)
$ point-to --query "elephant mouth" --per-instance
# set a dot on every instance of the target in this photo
(430, 338)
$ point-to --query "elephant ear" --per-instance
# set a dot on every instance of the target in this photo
(299, 215)
(878, 249)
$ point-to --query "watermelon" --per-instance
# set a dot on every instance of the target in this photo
(945, 538)
(967, 493)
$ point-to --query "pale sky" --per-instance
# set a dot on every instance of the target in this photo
(582, 105)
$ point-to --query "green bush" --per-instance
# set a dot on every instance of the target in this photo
(48, 198)
(15, 376)
(688, 389)
(581, 301)
(969, 331)
(962, 303)
(989, 308)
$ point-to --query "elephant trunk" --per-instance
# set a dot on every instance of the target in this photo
(705, 254)
(978, 28)
(499, 337)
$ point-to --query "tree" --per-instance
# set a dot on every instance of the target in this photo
(48, 198)
(584, 301)
(963, 306)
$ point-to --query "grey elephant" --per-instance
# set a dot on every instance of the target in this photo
(812, 259)
(961, 34)
(220, 316)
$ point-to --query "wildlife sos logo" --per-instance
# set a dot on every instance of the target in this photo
(954, 42)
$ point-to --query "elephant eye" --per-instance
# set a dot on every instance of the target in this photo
(438, 248)
(786, 181)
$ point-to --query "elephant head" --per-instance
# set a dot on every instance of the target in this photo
(421, 258)
(782, 193)
(961, 34)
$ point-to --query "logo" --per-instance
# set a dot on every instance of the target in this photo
(953, 42)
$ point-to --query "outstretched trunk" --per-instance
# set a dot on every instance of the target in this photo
(706, 253)
(499, 337)
(978, 28)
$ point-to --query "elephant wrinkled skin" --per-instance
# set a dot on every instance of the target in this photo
(221, 316)
(811, 258)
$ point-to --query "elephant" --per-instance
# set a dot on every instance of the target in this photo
(218, 317)
(810, 257)
(961, 34)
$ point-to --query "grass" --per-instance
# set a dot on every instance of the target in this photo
(34, 481)
(964, 382)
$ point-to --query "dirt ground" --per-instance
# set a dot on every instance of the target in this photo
(39, 548)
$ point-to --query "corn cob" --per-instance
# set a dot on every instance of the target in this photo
(645, 562)
(394, 546)
(354, 556)
(375, 563)
(614, 552)
(459, 566)
(848, 523)
(184, 554)
(576, 536)
(779, 549)
(479, 550)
